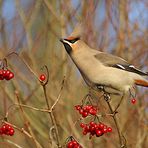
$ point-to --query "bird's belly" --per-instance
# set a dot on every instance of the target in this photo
(109, 76)
(96, 73)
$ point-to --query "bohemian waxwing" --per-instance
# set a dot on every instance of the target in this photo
(102, 69)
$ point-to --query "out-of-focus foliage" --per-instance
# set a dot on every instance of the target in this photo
(32, 28)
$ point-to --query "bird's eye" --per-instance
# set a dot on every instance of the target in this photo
(73, 40)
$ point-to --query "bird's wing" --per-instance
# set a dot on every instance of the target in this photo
(117, 62)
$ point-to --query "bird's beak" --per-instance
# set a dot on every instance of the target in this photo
(62, 40)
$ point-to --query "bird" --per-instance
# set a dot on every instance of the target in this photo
(101, 69)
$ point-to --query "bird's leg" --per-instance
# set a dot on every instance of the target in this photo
(132, 92)
(107, 97)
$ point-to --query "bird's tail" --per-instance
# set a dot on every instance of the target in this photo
(143, 83)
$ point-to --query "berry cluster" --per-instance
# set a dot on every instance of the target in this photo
(73, 144)
(97, 129)
(7, 130)
(6, 74)
(86, 110)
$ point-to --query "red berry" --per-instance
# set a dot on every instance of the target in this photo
(77, 146)
(6, 74)
(99, 132)
(74, 142)
(92, 123)
(70, 144)
(1, 78)
(84, 114)
(89, 107)
(1, 74)
(87, 128)
(82, 125)
(85, 108)
(101, 125)
(11, 132)
(93, 111)
(8, 127)
(78, 107)
(81, 111)
(109, 129)
(42, 77)
(92, 128)
(85, 132)
(1, 131)
(9, 75)
(4, 128)
(105, 130)
(133, 101)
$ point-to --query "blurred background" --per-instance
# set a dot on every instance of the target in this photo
(32, 29)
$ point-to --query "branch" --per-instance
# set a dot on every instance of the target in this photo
(52, 107)
(25, 133)
(107, 99)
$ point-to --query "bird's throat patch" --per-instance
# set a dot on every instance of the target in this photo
(68, 48)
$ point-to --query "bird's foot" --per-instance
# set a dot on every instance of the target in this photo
(107, 97)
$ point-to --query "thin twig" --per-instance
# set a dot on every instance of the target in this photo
(25, 119)
(52, 107)
(59, 96)
(20, 129)
(26, 106)
(30, 69)
(12, 143)
(115, 111)
(122, 145)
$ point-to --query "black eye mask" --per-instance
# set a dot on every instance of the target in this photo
(73, 40)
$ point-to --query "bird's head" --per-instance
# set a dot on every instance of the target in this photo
(70, 44)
